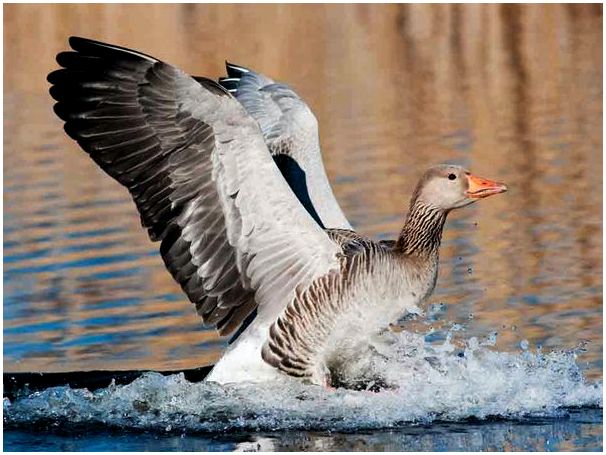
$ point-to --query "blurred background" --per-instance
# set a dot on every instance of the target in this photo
(513, 92)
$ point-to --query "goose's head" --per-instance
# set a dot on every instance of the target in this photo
(448, 187)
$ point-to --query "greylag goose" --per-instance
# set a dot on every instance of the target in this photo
(290, 130)
(232, 233)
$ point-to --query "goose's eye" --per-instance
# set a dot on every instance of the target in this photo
(451, 176)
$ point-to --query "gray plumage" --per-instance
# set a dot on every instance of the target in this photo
(289, 128)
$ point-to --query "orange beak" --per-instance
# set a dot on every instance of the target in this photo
(480, 188)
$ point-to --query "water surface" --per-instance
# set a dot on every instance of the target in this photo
(531, 435)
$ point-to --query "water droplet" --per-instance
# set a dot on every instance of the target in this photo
(470, 316)
(514, 328)
(168, 428)
(473, 343)
(524, 345)
(492, 339)
(469, 270)
(581, 346)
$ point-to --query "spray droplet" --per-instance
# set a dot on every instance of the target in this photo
(473, 343)
(469, 270)
(514, 328)
(582, 346)
(470, 316)
(524, 345)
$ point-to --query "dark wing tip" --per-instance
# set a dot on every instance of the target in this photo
(64, 58)
(99, 48)
(54, 76)
(234, 70)
(234, 73)
(75, 41)
(81, 44)
(229, 83)
(211, 85)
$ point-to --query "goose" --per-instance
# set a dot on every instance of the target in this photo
(232, 233)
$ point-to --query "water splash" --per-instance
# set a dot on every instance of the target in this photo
(423, 383)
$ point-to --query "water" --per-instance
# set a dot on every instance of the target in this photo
(538, 434)
(425, 384)
(512, 92)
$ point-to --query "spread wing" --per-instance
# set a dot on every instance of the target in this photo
(232, 234)
(290, 130)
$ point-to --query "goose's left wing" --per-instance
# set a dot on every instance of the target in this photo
(195, 163)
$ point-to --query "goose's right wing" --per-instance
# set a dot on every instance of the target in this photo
(290, 130)
(233, 235)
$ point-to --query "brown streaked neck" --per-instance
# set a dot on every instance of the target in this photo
(422, 231)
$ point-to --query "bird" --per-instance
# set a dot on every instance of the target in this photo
(233, 234)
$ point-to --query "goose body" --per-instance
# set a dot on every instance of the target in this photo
(234, 233)
(329, 321)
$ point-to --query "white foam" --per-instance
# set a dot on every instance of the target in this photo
(428, 383)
